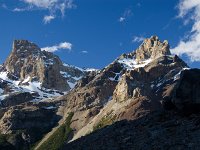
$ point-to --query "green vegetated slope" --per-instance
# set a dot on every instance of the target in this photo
(4, 144)
(106, 120)
(57, 139)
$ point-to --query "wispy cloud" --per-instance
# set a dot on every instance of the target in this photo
(20, 9)
(189, 11)
(137, 39)
(84, 52)
(4, 6)
(139, 5)
(127, 13)
(48, 19)
(63, 45)
(55, 8)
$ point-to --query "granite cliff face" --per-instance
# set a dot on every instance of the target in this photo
(145, 86)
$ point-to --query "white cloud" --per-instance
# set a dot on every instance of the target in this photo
(137, 39)
(19, 9)
(122, 19)
(64, 45)
(189, 10)
(127, 13)
(48, 19)
(42, 3)
(84, 52)
(54, 7)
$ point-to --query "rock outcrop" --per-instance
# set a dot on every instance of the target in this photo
(26, 124)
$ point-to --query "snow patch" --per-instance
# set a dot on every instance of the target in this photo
(71, 85)
(112, 79)
(91, 70)
(27, 79)
(131, 63)
(177, 76)
(31, 87)
(65, 74)
(1, 91)
(2, 97)
(159, 84)
(81, 69)
(3, 75)
(50, 107)
(116, 78)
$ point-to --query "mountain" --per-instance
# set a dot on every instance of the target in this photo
(29, 81)
(130, 87)
(174, 129)
(149, 92)
(40, 73)
(151, 89)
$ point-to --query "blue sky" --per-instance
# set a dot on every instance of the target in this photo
(100, 30)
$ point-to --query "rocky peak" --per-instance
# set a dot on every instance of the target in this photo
(29, 64)
(23, 53)
(23, 48)
(27, 56)
(152, 48)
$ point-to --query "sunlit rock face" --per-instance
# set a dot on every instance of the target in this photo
(29, 69)
(152, 48)
(29, 63)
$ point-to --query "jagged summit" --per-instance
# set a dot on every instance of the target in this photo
(28, 62)
(152, 48)
(31, 69)
(26, 58)
(21, 45)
